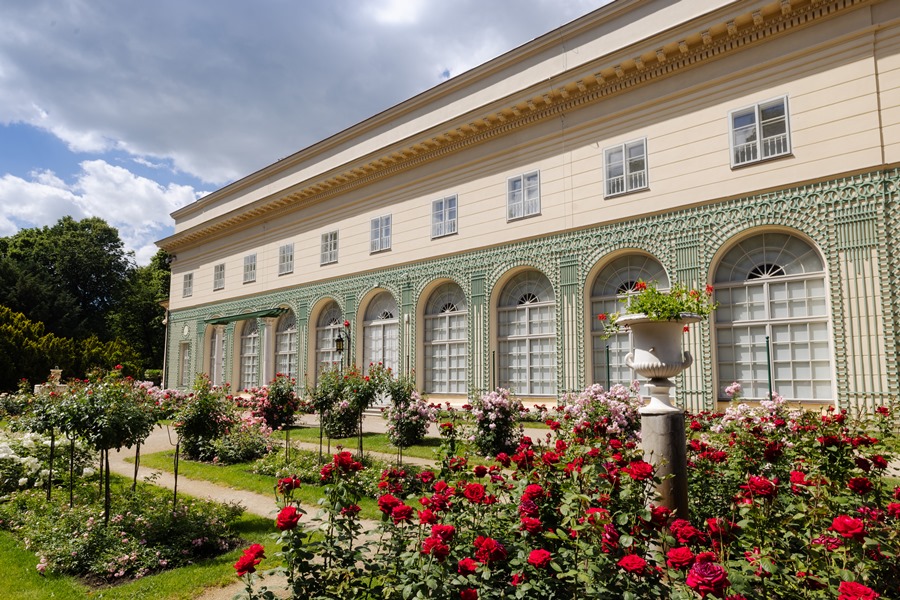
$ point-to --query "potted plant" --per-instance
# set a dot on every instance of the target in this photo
(657, 320)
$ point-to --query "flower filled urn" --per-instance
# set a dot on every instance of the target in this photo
(657, 355)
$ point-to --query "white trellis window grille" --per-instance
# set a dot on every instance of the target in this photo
(381, 330)
(527, 335)
(381, 233)
(626, 168)
(249, 354)
(773, 284)
(286, 259)
(759, 132)
(616, 281)
(445, 341)
(443, 217)
(523, 196)
(328, 325)
(286, 345)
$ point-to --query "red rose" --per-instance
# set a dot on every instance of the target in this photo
(388, 503)
(488, 550)
(539, 558)
(660, 515)
(684, 532)
(680, 558)
(474, 493)
(893, 509)
(639, 470)
(479, 471)
(503, 459)
(633, 563)
(287, 519)
(708, 578)
(517, 579)
(436, 547)
(401, 514)
(850, 590)
(427, 517)
(848, 527)
(859, 485)
(246, 564)
(533, 492)
(426, 477)
(343, 460)
(350, 511)
(256, 551)
(445, 532)
(346, 323)
(531, 525)
(288, 484)
(761, 487)
(467, 566)
(468, 594)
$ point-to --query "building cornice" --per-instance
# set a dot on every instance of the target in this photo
(725, 31)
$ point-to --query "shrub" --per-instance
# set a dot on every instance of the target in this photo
(143, 536)
(246, 443)
(276, 403)
(203, 418)
(496, 417)
(342, 395)
(408, 416)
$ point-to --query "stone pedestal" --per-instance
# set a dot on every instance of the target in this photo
(663, 440)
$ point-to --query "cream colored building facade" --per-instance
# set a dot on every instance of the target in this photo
(471, 234)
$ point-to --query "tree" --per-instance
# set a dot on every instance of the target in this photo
(28, 351)
(138, 317)
(69, 275)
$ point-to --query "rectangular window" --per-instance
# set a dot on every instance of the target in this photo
(523, 198)
(187, 288)
(443, 217)
(329, 248)
(286, 259)
(626, 168)
(250, 268)
(219, 277)
(185, 364)
(381, 233)
(759, 132)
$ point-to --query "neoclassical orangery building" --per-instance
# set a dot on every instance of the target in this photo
(472, 233)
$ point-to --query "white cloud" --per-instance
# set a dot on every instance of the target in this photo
(224, 92)
(138, 207)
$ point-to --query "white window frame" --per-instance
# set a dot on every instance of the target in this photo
(187, 286)
(518, 203)
(286, 259)
(632, 179)
(219, 277)
(762, 147)
(286, 345)
(380, 234)
(329, 253)
(443, 216)
(250, 268)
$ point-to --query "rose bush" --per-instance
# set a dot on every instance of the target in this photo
(573, 515)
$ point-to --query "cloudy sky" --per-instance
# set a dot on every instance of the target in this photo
(129, 109)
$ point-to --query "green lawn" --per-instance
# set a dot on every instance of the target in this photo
(372, 442)
(239, 477)
(20, 575)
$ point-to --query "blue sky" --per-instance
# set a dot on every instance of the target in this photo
(128, 109)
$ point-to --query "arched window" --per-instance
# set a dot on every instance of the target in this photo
(249, 354)
(527, 335)
(330, 323)
(381, 332)
(286, 345)
(445, 341)
(216, 355)
(614, 282)
(773, 284)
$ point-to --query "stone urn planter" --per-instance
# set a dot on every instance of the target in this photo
(657, 355)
